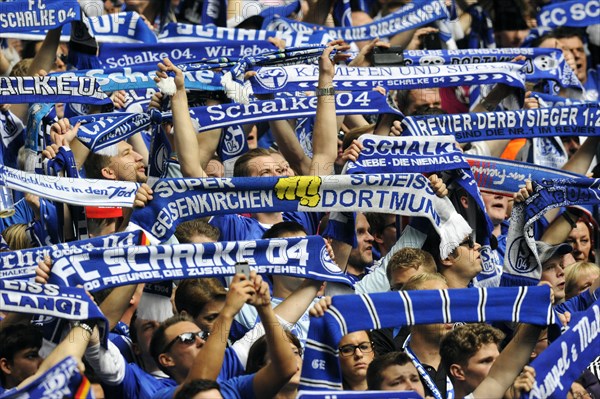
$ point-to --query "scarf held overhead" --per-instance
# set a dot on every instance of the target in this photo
(55, 89)
(178, 200)
(320, 368)
(101, 268)
(303, 77)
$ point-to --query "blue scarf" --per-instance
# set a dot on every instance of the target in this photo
(132, 55)
(501, 176)
(23, 16)
(68, 303)
(62, 380)
(302, 77)
(320, 369)
(106, 132)
(187, 32)
(22, 264)
(56, 89)
(580, 120)
(427, 155)
(410, 16)
(73, 191)
(127, 79)
(521, 263)
(542, 63)
(358, 395)
(101, 268)
(574, 13)
(549, 100)
(348, 103)
(12, 136)
(482, 32)
(565, 359)
(178, 200)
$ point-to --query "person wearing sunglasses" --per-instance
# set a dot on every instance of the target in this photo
(461, 266)
(186, 353)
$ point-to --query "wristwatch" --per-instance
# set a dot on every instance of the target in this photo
(328, 91)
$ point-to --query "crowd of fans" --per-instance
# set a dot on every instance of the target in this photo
(244, 336)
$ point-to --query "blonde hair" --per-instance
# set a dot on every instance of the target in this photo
(417, 281)
(571, 273)
(16, 237)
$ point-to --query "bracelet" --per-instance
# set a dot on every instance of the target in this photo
(84, 325)
(569, 219)
(328, 91)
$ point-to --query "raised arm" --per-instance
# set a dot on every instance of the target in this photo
(185, 134)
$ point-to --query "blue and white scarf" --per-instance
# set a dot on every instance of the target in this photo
(68, 303)
(549, 100)
(576, 13)
(55, 89)
(359, 395)
(187, 32)
(501, 176)
(565, 359)
(127, 79)
(12, 136)
(106, 132)
(302, 77)
(22, 264)
(541, 63)
(410, 16)
(427, 155)
(23, 16)
(83, 192)
(101, 268)
(132, 55)
(579, 120)
(282, 108)
(62, 380)
(178, 200)
(320, 369)
(521, 262)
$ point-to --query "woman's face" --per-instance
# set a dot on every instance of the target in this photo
(206, 318)
(354, 366)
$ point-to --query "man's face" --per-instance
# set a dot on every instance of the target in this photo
(362, 255)
(466, 259)
(25, 364)
(387, 238)
(579, 239)
(423, 98)
(144, 330)
(181, 353)
(478, 366)
(575, 44)
(495, 206)
(127, 165)
(264, 166)
(401, 378)
(553, 272)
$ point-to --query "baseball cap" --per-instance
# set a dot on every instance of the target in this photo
(547, 251)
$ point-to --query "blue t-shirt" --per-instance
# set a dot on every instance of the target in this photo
(235, 388)
(238, 228)
(137, 384)
(232, 367)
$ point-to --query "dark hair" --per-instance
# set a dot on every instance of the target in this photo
(194, 387)
(564, 32)
(186, 230)
(159, 340)
(380, 363)
(258, 352)
(460, 344)
(193, 294)
(15, 338)
(241, 168)
(281, 228)
(94, 164)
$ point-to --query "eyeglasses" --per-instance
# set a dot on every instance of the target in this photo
(582, 395)
(348, 350)
(187, 338)
(468, 241)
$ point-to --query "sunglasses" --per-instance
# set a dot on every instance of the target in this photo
(187, 338)
(468, 241)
